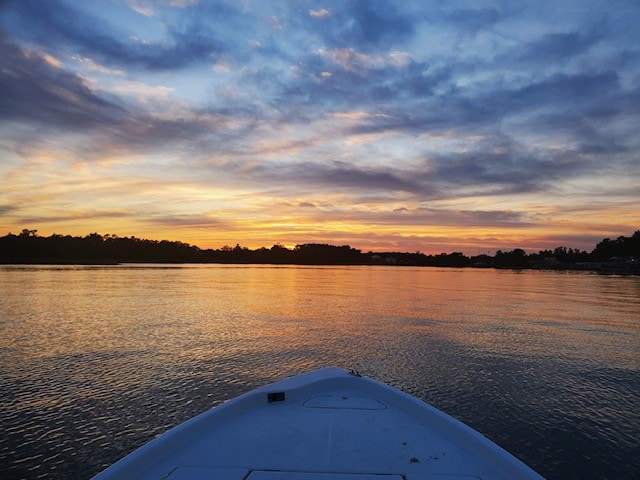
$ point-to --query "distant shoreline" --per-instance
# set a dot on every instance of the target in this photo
(618, 256)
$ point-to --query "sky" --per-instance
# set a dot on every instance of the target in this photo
(409, 126)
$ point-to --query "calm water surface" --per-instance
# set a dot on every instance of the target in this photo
(96, 361)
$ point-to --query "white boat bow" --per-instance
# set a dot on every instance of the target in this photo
(328, 424)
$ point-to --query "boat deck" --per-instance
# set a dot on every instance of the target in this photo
(328, 425)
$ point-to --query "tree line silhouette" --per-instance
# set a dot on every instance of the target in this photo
(30, 248)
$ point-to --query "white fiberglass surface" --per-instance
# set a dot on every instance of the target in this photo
(385, 432)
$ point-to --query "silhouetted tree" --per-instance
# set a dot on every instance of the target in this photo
(514, 259)
(323, 254)
(620, 247)
(455, 259)
(29, 247)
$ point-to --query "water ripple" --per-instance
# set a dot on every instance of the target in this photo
(97, 361)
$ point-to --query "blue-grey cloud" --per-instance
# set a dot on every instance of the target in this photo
(367, 24)
(7, 208)
(185, 221)
(581, 106)
(34, 90)
(557, 47)
(506, 168)
(325, 176)
(427, 216)
(470, 218)
(343, 175)
(55, 24)
(75, 216)
(378, 81)
(472, 20)
(510, 170)
(51, 98)
(564, 90)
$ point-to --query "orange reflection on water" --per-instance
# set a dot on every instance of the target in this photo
(137, 319)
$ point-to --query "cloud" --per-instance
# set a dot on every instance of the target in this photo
(50, 98)
(556, 47)
(500, 166)
(148, 7)
(353, 61)
(449, 216)
(140, 90)
(61, 24)
(473, 20)
(35, 90)
(92, 66)
(320, 13)
(374, 22)
(576, 90)
(7, 208)
(581, 107)
(362, 81)
(417, 218)
(487, 166)
(75, 216)
(365, 24)
(143, 7)
(344, 175)
(503, 168)
(186, 220)
(334, 176)
(183, 3)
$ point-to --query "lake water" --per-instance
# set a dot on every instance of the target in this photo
(96, 361)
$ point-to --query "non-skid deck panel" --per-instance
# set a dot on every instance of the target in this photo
(264, 475)
(362, 433)
(208, 473)
(345, 401)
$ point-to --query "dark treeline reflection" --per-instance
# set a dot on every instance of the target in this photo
(28, 247)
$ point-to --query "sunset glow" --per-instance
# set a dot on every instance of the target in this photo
(408, 126)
